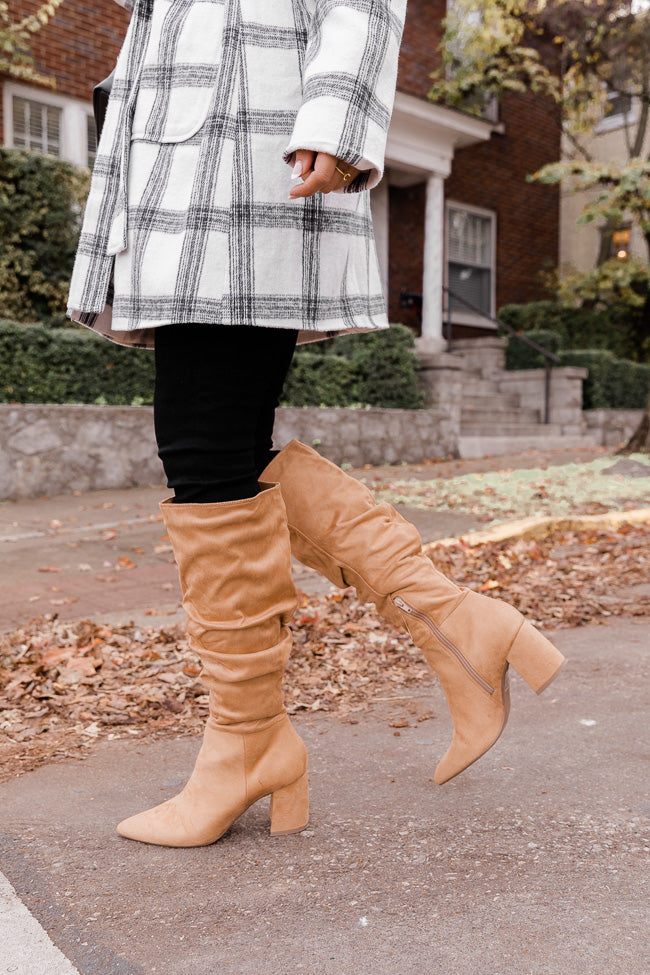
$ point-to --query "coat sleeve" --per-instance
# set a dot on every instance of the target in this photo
(349, 79)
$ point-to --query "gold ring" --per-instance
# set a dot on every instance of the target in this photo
(346, 176)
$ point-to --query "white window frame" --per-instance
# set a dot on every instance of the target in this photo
(467, 317)
(74, 113)
(618, 120)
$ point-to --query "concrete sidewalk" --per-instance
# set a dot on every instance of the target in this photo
(534, 860)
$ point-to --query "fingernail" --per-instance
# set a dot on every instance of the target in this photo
(296, 172)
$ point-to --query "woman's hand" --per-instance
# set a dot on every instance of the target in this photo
(319, 173)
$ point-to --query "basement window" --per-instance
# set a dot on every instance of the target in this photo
(470, 263)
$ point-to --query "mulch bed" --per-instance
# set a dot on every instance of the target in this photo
(66, 686)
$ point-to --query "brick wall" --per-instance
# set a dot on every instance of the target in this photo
(493, 175)
(420, 41)
(406, 249)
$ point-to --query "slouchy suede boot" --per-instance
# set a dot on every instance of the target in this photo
(234, 564)
(467, 638)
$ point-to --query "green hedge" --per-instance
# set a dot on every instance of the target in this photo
(371, 369)
(39, 364)
(319, 380)
(612, 383)
(521, 356)
(70, 365)
(615, 328)
(40, 210)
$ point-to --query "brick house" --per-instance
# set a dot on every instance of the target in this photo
(453, 208)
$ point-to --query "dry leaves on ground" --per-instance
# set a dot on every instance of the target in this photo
(66, 686)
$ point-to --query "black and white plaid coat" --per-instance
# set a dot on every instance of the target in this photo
(188, 217)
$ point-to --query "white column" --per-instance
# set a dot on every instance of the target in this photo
(379, 212)
(432, 279)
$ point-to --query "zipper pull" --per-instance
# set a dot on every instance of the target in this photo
(399, 602)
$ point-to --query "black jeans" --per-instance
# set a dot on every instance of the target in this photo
(216, 390)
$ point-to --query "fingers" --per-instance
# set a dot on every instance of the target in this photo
(323, 177)
(305, 157)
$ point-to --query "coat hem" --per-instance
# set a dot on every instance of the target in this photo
(144, 338)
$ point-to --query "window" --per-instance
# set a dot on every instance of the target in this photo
(470, 261)
(616, 243)
(36, 126)
(44, 121)
(622, 110)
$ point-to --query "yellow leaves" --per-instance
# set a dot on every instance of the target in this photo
(16, 59)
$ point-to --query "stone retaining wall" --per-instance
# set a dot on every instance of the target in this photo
(613, 427)
(58, 449)
(48, 449)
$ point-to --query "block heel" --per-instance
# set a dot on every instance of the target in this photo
(535, 658)
(290, 808)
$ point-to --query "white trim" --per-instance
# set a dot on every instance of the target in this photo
(74, 111)
(468, 317)
(423, 135)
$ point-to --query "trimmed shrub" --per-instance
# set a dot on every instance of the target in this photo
(612, 383)
(39, 364)
(616, 328)
(369, 369)
(70, 365)
(40, 210)
(385, 365)
(319, 380)
(521, 356)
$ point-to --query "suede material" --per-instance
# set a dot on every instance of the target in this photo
(288, 807)
(235, 569)
(337, 528)
(232, 771)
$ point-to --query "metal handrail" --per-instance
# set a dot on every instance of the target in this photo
(549, 357)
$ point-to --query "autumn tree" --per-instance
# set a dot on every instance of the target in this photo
(16, 59)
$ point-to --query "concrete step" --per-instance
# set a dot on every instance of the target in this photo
(497, 416)
(471, 446)
(497, 429)
(491, 400)
(476, 386)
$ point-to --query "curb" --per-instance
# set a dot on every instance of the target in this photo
(542, 527)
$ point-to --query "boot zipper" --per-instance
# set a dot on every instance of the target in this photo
(399, 602)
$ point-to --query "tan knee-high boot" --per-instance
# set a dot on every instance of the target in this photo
(234, 564)
(467, 638)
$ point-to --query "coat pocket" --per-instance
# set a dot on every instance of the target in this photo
(180, 69)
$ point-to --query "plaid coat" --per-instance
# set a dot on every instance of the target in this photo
(188, 217)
